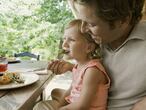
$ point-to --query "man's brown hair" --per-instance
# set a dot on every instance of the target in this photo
(112, 10)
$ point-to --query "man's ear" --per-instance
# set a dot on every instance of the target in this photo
(125, 21)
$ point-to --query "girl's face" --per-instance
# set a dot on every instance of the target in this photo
(75, 45)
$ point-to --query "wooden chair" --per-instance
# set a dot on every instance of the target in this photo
(28, 54)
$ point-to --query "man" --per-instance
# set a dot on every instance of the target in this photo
(116, 25)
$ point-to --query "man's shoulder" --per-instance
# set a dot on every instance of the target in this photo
(142, 24)
(139, 31)
(142, 28)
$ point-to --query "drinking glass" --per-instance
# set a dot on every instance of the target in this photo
(3, 65)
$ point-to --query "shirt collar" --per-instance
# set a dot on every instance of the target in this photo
(138, 33)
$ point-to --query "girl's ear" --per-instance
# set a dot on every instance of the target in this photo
(90, 48)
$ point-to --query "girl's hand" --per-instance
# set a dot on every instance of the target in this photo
(59, 66)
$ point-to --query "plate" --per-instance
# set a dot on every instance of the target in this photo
(28, 80)
(13, 61)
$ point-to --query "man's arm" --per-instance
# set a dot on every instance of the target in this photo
(60, 66)
(71, 4)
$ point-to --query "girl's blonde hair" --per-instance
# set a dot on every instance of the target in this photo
(96, 53)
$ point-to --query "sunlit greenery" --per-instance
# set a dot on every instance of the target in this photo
(32, 25)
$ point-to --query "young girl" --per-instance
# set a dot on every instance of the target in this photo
(90, 82)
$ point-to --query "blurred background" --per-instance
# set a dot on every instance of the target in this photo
(32, 25)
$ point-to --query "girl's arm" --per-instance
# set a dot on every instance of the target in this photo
(92, 78)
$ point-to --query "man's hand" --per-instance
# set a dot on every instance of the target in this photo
(141, 105)
(59, 66)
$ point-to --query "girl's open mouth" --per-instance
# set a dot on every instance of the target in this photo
(66, 51)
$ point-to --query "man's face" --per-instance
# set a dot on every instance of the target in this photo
(98, 28)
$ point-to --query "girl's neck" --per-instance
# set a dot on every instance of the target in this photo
(82, 63)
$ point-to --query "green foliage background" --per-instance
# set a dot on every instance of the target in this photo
(39, 32)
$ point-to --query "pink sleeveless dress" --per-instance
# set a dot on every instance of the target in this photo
(100, 100)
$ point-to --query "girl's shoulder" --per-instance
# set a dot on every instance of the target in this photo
(95, 75)
(95, 68)
(95, 63)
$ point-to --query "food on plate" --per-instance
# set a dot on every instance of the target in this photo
(9, 77)
(4, 79)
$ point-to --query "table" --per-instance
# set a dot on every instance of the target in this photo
(24, 98)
